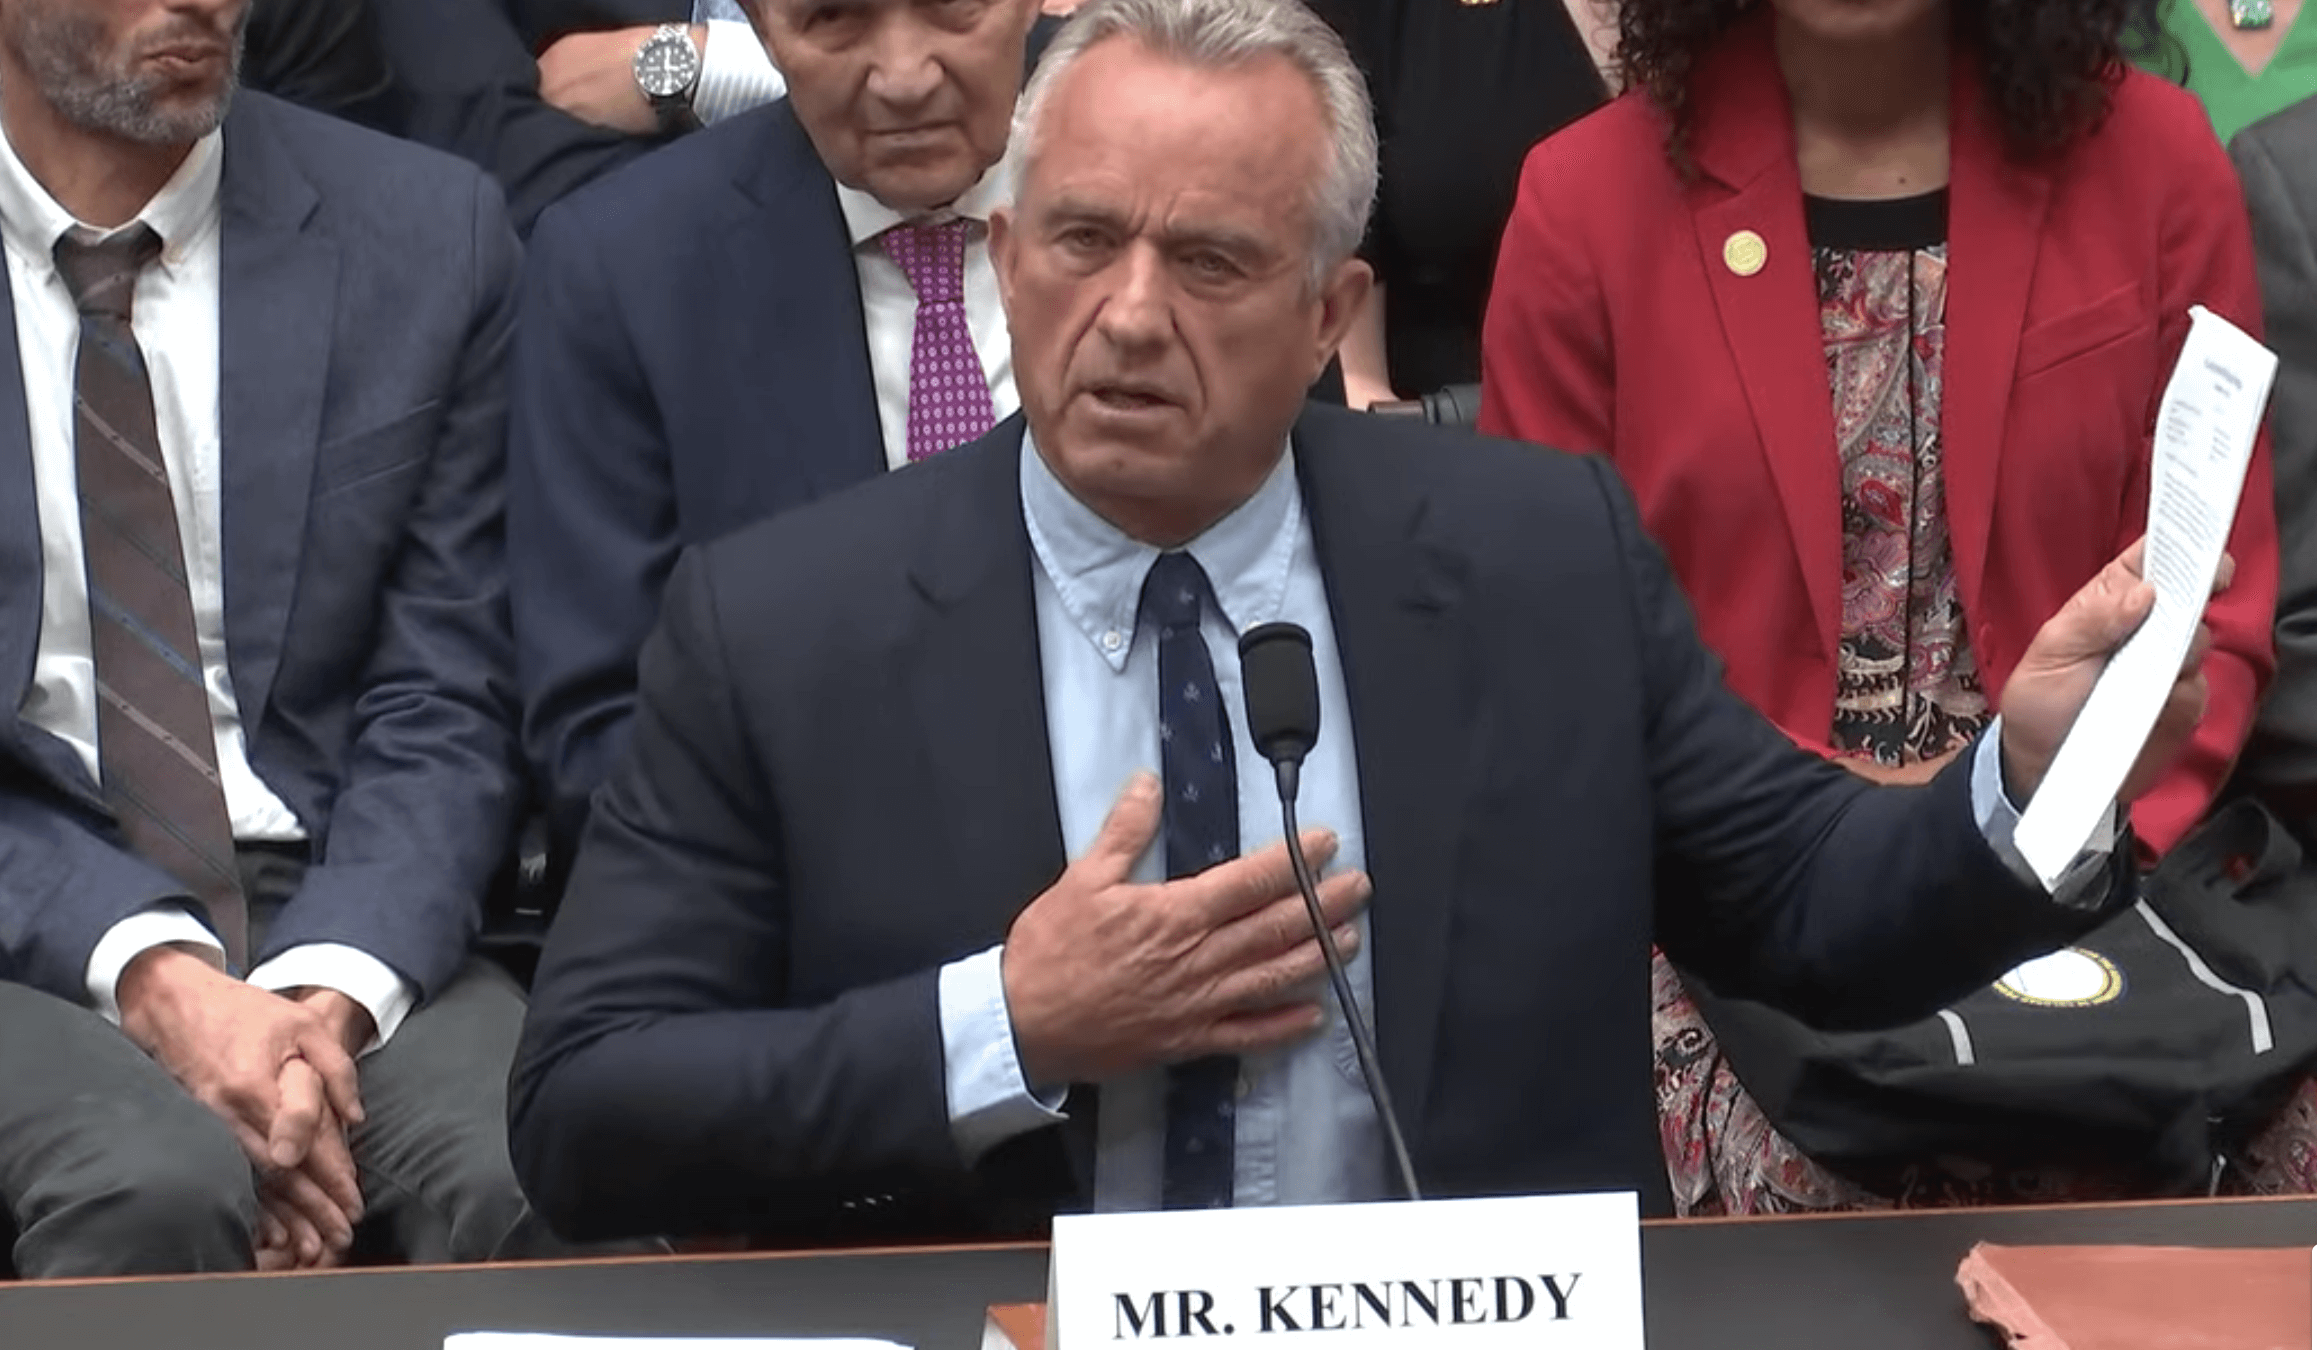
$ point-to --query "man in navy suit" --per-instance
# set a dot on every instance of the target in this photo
(940, 886)
(742, 323)
(259, 763)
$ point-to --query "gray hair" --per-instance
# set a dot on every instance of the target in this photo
(1220, 35)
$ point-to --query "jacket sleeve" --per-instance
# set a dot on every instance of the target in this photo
(2281, 196)
(592, 531)
(466, 83)
(658, 1026)
(66, 877)
(322, 54)
(430, 786)
(1787, 880)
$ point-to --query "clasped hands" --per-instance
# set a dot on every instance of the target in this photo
(279, 1071)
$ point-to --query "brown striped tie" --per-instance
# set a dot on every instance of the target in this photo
(156, 747)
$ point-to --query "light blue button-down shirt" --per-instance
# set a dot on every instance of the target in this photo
(1306, 1131)
(1101, 678)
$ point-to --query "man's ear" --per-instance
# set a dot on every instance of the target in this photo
(1005, 245)
(1341, 298)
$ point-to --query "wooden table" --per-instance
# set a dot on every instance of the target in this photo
(1865, 1282)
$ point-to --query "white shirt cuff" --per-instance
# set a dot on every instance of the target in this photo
(2079, 886)
(156, 926)
(386, 996)
(736, 73)
(989, 1101)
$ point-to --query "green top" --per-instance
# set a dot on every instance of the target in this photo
(2233, 99)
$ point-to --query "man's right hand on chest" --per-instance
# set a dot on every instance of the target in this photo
(1105, 977)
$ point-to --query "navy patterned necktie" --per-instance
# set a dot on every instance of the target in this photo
(1202, 829)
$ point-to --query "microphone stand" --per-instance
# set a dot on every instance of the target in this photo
(1289, 774)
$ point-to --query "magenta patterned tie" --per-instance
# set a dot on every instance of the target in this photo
(949, 396)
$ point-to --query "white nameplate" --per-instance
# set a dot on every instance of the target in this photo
(1560, 1271)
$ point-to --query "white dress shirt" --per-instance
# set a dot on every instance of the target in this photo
(889, 304)
(736, 72)
(176, 323)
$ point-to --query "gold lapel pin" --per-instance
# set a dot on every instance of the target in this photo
(1744, 253)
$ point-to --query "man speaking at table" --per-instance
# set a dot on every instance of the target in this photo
(822, 969)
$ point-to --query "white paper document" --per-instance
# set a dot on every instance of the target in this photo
(2205, 431)
(532, 1340)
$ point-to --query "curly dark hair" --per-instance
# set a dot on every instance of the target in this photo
(2051, 65)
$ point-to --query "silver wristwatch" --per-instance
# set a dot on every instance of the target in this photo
(667, 69)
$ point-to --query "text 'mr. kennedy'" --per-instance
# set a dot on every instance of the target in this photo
(1361, 1305)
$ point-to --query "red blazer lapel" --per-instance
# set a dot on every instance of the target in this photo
(1995, 215)
(1749, 184)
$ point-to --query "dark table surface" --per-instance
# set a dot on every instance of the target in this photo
(1845, 1283)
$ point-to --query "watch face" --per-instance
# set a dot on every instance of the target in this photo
(666, 67)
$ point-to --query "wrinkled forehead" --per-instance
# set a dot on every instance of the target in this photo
(1124, 121)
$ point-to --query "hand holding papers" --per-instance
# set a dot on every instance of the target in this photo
(2206, 427)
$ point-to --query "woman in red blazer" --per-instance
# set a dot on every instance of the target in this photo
(1872, 302)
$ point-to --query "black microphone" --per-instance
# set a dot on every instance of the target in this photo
(1283, 721)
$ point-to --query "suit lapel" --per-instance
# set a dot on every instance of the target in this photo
(813, 376)
(1393, 594)
(1995, 213)
(975, 686)
(277, 302)
(1770, 316)
(22, 571)
(974, 679)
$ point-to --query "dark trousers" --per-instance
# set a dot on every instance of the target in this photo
(107, 1167)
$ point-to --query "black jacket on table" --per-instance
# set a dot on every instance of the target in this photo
(838, 782)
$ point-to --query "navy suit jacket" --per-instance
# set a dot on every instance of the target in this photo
(839, 780)
(667, 393)
(543, 21)
(467, 81)
(367, 297)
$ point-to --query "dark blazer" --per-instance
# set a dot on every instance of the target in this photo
(838, 781)
(467, 81)
(1618, 326)
(321, 54)
(543, 21)
(2277, 160)
(367, 295)
(668, 395)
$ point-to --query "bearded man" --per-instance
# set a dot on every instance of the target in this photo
(260, 763)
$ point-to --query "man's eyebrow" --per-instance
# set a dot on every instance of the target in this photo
(1222, 238)
(1066, 209)
(1080, 210)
